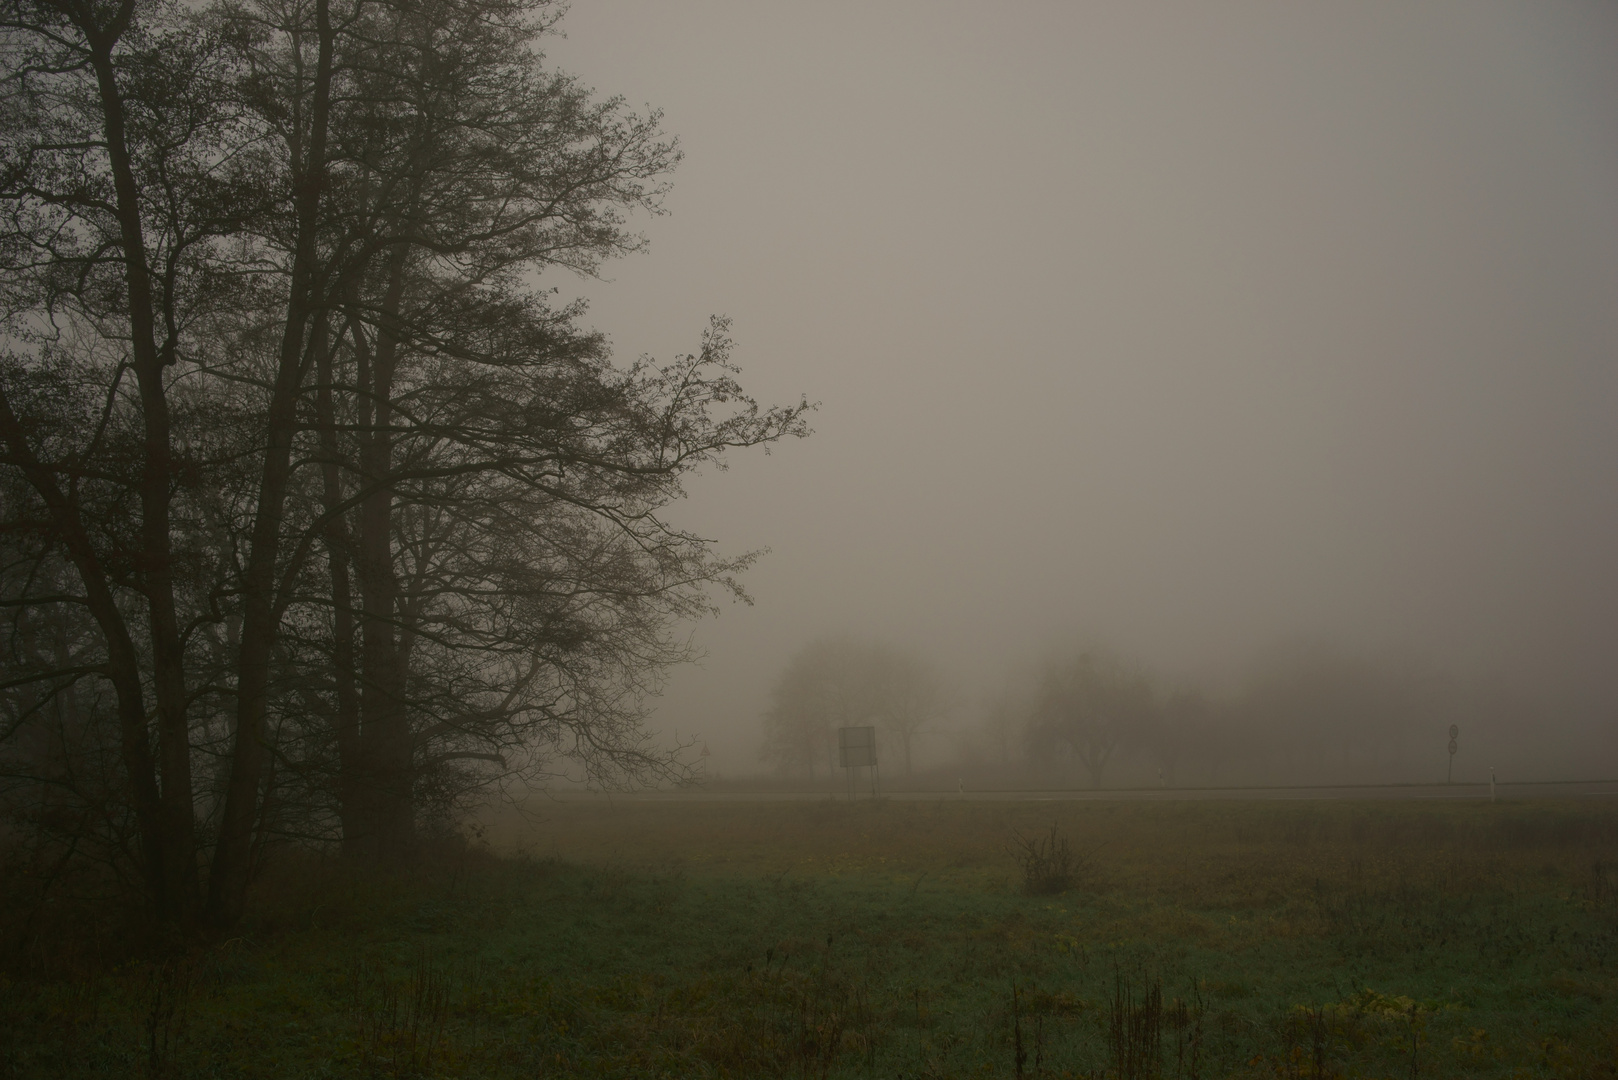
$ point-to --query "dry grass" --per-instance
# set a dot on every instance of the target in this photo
(1198, 854)
(701, 938)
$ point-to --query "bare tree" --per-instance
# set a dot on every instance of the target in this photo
(1091, 705)
(905, 693)
(1314, 710)
(1005, 719)
(1173, 729)
(268, 296)
(493, 499)
(839, 682)
(119, 193)
(820, 689)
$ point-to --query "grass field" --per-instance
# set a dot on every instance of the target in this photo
(891, 939)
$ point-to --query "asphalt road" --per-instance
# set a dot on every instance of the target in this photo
(1558, 789)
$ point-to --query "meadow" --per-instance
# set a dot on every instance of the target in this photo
(895, 938)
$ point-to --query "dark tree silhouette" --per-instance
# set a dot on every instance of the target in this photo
(1091, 705)
(303, 465)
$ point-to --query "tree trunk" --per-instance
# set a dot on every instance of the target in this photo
(339, 553)
(177, 828)
(385, 748)
(227, 885)
(123, 663)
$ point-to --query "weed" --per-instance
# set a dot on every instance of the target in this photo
(1185, 1017)
(1601, 888)
(168, 994)
(1049, 865)
(1019, 1055)
(400, 1021)
(1135, 1029)
(1309, 1037)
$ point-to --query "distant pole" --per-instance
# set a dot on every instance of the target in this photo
(1454, 733)
(1491, 783)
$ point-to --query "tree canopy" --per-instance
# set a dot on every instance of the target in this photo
(319, 512)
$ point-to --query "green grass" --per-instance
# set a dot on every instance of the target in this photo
(892, 939)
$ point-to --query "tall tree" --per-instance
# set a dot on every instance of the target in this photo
(118, 198)
(906, 696)
(820, 689)
(477, 410)
(278, 378)
(302, 38)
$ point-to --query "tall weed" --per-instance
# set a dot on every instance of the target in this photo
(400, 1020)
(1049, 864)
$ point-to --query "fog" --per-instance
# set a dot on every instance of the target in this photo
(1188, 330)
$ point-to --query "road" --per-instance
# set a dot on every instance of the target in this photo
(1559, 789)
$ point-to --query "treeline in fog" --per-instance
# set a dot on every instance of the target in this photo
(1304, 714)
(319, 513)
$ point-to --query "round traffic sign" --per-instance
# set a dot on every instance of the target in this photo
(1454, 731)
(1452, 746)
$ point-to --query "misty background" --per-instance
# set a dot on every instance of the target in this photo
(1204, 334)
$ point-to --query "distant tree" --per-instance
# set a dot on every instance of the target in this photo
(815, 693)
(1091, 705)
(838, 682)
(905, 695)
(1326, 712)
(1173, 727)
(1003, 722)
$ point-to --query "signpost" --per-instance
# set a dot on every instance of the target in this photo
(1454, 733)
(856, 747)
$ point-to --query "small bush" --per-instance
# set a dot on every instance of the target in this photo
(1049, 865)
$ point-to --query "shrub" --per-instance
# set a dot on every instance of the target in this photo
(1049, 865)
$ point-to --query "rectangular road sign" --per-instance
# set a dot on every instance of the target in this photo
(856, 746)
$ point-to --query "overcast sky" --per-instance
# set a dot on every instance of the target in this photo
(1190, 328)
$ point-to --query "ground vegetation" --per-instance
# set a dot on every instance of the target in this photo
(887, 938)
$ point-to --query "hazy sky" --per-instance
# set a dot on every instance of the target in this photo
(1185, 327)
